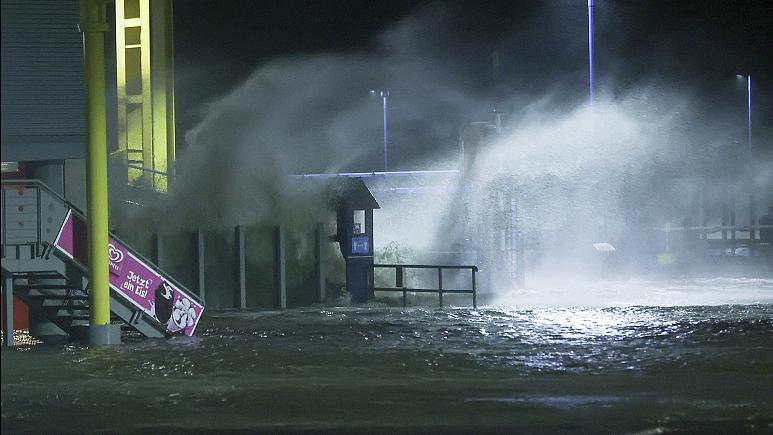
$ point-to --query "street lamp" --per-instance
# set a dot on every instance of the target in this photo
(748, 109)
(383, 94)
(590, 49)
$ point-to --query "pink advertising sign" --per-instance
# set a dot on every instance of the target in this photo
(132, 278)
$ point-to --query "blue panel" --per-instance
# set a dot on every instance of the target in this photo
(360, 245)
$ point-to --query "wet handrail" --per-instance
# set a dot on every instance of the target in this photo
(39, 184)
(399, 281)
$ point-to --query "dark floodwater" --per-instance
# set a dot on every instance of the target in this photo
(374, 369)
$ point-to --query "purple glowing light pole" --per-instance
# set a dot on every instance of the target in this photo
(384, 94)
(590, 49)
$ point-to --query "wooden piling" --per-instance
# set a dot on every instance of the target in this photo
(319, 252)
(440, 285)
(280, 278)
(200, 266)
(241, 265)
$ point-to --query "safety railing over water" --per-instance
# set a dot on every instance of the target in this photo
(400, 281)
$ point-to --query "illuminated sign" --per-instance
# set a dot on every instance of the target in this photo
(360, 245)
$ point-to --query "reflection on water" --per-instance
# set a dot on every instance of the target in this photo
(545, 369)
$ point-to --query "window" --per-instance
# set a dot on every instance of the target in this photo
(359, 222)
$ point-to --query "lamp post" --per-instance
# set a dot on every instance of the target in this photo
(590, 49)
(384, 94)
(752, 208)
(749, 112)
(748, 79)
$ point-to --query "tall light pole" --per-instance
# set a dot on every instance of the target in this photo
(384, 94)
(748, 78)
(752, 208)
(749, 112)
(590, 49)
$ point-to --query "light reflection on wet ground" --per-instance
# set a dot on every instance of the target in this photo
(371, 369)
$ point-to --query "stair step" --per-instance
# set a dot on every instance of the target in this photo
(43, 275)
(44, 286)
(63, 302)
(74, 313)
(57, 293)
(62, 297)
(77, 321)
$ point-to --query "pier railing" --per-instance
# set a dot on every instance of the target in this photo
(400, 281)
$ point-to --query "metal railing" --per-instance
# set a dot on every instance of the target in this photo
(47, 247)
(400, 281)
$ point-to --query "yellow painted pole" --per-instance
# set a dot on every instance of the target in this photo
(94, 25)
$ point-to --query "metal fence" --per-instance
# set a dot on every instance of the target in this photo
(400, 281)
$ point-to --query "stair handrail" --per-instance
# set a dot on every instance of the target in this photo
(76, 210)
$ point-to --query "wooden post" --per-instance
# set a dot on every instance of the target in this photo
(158, 250)
(474, 290)
(753, 222)
(732, 223)
(520, 265)
(241, 265)
(724, 221)
(280, 280)
(319, 252)
(399, 283)
(8, 302)
(705, 220)
(440, 285)
(200, 264)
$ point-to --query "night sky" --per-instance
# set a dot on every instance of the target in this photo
(694, 46)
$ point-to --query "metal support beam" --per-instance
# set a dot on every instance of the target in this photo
(732, 223)
(752, 221)
(93, 24)
(725, 217)
(474, 290)
(399, 283)
(280, 278)
(319, 252)
(520, 265)
(200, 264)
(241, 265)
(440, 286)
(8, 306)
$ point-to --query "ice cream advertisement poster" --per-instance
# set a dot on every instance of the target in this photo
(136, 281)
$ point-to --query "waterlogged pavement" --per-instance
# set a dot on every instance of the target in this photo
(374, 369)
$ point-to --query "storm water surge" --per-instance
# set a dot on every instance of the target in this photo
(452, 370)
(611, 174)
(562, 292)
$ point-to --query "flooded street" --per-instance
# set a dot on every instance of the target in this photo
(378, 369)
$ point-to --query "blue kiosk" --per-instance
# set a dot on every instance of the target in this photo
(354, 232)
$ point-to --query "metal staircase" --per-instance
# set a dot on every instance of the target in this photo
(52, 284)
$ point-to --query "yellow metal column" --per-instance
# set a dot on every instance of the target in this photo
(94, 25)
(145, 68)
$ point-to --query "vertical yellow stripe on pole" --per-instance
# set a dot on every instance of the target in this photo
(94, 25)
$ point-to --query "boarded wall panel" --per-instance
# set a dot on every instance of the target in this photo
(42, 81)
